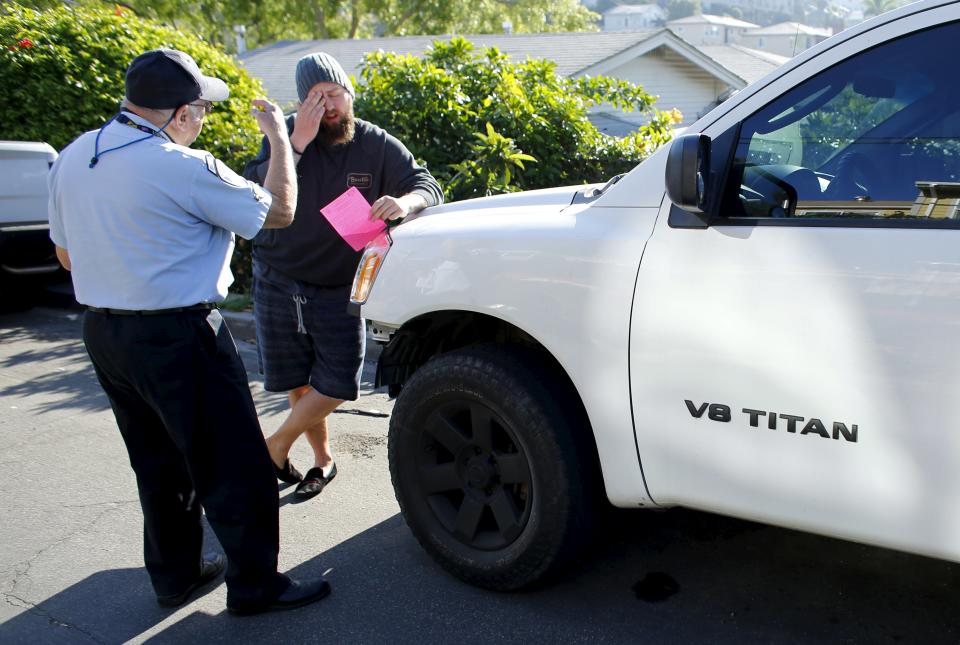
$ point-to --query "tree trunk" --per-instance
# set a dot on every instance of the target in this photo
(354, 18)
(320, 18)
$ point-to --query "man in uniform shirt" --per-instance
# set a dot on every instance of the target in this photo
(146, 226)
(310, 346)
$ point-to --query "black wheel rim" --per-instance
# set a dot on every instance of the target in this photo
(474, 475)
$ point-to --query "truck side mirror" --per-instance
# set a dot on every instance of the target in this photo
(688, 167)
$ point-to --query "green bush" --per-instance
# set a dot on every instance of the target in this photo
(63, 72)
(484, 124)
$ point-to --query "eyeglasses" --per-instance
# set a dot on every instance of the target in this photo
(207, 107)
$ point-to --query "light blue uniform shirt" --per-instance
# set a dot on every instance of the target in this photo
(152, 225)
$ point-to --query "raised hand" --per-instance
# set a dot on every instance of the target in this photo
(269, 117)
(309, 115)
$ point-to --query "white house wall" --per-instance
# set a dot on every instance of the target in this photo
(699, 34)
(677, 82)
(780, 44)
(624, 22)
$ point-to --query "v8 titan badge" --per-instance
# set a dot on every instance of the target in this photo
(774, 421)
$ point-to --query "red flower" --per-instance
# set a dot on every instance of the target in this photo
(26, 43)
(117, 10)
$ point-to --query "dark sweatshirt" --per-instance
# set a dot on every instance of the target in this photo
(310, 250)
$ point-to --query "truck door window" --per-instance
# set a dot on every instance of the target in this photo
(875, 137)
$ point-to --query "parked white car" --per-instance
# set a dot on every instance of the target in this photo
(25, 248)
(760, 320)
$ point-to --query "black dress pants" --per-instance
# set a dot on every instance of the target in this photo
(180, 395)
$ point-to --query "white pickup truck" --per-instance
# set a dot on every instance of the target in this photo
(26, 252)
(761, 319)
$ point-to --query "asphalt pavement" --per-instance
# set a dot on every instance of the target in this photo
(71, 560)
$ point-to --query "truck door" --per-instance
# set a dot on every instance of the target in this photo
(797, 360)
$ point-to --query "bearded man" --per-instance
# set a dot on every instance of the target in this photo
(309, 345)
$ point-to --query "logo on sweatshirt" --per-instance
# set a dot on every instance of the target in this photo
(361, 180)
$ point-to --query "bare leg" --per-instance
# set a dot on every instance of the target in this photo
(309, 410)
(319, 439)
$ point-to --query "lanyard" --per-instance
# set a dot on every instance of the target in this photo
(125, 120)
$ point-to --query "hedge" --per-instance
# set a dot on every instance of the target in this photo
(63, 72)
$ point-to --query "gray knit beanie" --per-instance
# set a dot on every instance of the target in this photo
(320, 68)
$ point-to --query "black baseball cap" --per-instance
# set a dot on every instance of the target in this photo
(168, 78)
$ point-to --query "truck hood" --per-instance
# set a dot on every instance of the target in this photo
(542, 201)
(24, 166)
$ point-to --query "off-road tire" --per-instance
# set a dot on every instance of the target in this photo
(533, 470)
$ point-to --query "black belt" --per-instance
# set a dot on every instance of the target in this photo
(203, 306)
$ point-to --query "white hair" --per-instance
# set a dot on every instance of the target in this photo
(162, 114)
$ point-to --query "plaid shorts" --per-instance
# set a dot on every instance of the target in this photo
(306, 337)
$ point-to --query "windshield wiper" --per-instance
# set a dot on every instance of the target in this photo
(596, 192)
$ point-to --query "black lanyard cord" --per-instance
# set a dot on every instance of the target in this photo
(125, 120)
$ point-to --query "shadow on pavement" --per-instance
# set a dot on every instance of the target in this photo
(69, 377)
(716, 580)
(109, 606)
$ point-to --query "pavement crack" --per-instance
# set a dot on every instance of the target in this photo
(22, 569)
(17, 601)
(20, 603)
(122, 502)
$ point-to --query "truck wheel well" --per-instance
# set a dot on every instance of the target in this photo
(438, 333)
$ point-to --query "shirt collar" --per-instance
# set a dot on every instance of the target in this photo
(136, 118)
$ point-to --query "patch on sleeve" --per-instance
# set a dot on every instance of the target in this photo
(220, 170)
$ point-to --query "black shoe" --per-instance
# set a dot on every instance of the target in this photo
(298, 594)
(288, 473)
(314, 482)
(210, 568)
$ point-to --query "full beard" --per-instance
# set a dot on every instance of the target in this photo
(334, 134)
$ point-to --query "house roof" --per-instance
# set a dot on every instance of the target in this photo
(790, 29)
(634, 8)
(725, 21)
(613, 123)
(575, 54)
(749, 64)
(571, 51)
(735, 65)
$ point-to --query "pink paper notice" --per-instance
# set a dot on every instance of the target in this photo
(349, 214)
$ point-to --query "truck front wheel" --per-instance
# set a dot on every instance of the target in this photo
(488, 467)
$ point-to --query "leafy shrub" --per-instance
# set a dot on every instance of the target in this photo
(63, 71)
(484, 124)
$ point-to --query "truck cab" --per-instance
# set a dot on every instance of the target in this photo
(758, 320)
